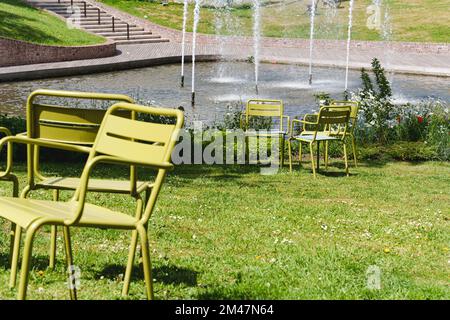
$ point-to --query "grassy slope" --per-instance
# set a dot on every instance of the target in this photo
(416, 20)
(22, 22)
(229, 232)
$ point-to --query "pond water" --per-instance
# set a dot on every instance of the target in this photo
(223, 84)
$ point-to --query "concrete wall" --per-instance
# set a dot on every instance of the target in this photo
(16, 52)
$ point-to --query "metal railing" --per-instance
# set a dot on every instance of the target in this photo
(99, 19)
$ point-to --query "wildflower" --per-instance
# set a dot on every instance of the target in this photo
(387, 250)
(420, 119)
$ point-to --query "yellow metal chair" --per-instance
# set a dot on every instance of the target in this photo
(8, 176)
(354, 106)
(119, 141)
(71, 129)
(266, 108)
(328, 117)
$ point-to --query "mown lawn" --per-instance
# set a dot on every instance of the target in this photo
(415, 20)
(230, 232)
(23, 22)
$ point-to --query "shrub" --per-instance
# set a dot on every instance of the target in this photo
(376, 105)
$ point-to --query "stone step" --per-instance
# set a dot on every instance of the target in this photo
(64, 8)
(105, 23)
(88, 15)
(140, 41)
(61, 3)
(122, 32)
(135, 37)
(94, 20)
(118, 29)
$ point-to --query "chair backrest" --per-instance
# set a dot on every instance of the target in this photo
(136, 142)
(264, 108)
(67, 124)
(330, 117)
(354, 105)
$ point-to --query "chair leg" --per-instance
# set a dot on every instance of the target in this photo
(12, 234)
(290, 154)
(282, 151)
(15, 182)
(129, 269)
(69, 261)
(11, 242)
(15, 256)
(27, 252)
(300, 155)
(146, 261)
(326, 155)
(345, 159)
(53, 235)
(312, 160)
(354, 150)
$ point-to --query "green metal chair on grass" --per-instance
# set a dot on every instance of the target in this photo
(268, 109)
(8, 176)
(354, 107)
(121, 141)
(333, 119)
(74, 130)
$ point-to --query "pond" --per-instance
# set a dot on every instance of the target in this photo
(223, 84)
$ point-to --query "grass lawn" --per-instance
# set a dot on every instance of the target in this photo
(229, 232)
(23, 22)
(414, 20)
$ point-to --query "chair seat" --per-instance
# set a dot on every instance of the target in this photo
(25, 211)
(319, 137)
(266, 133)
(100, 185)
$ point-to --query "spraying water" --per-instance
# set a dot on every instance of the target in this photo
(256, 38)
(387, 37)
(311, 38)
(194, 40)
(183, 40)
(349, 38)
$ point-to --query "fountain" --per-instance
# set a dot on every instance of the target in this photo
(256, 38)
(183, 40)
(312, 11)
(194, 40)
(349, 38)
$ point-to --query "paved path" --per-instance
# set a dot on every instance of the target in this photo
(426, 59)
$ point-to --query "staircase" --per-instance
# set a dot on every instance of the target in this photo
(97, 21)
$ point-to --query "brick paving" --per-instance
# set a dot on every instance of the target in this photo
(413, 58)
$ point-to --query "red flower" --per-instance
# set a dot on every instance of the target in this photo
(420, 119)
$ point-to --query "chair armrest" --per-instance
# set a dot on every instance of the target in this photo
(83, 188)
(291, 129)
(7, 172)
(5, 131)
(43, 143)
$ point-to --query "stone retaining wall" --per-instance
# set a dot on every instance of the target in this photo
(16, 52)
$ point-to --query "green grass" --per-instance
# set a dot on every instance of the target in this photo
(230, 232)
(416, 20)
(23, 22)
